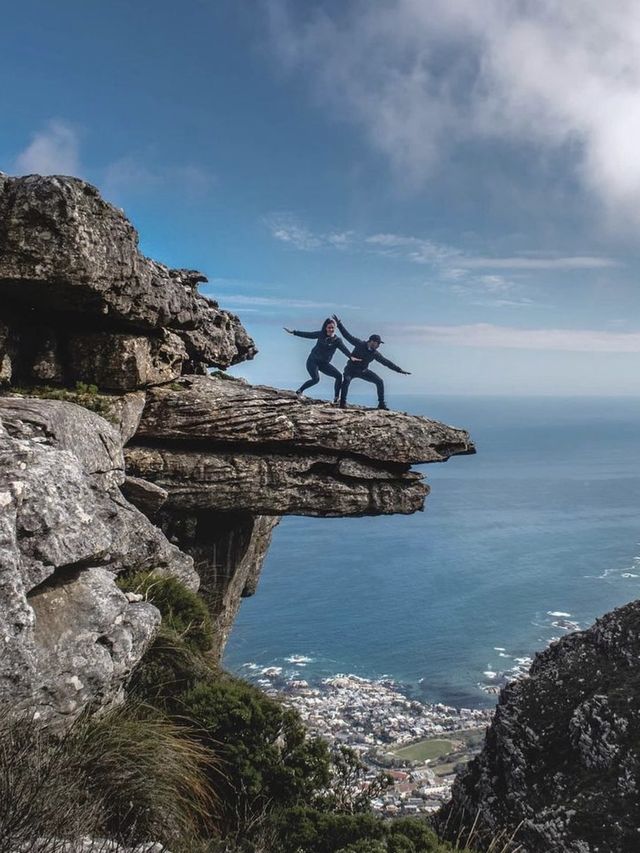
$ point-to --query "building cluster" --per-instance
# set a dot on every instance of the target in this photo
(375, 719)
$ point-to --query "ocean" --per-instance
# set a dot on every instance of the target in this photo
(536, 535)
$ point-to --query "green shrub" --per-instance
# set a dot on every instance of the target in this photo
(184, 612)
(306, 829)
(268, 756)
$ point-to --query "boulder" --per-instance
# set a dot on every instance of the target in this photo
(120, 362)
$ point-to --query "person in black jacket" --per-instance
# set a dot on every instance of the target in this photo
(319, 360)
(364, 352)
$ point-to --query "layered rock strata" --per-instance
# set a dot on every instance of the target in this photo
(560, 769)
(221, 444)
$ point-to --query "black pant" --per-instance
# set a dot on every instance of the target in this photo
(368, 376)
(325, 367)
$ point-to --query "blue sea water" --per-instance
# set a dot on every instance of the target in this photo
(541, 526)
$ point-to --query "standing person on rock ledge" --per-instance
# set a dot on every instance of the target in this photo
(319, 360)
(363, 354)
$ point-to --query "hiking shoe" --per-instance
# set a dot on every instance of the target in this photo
(336, 401)
(383, 405)
(342, 404)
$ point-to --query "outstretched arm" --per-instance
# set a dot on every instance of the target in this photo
(390, 364)
(351, 338)
(302, 334)
(343, 348)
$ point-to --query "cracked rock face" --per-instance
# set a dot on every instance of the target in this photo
(561, 759)
(228, 411)
(70, 637)
(221, 444)
(228, 549)
(65, 252)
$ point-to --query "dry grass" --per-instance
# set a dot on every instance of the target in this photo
(128, 775)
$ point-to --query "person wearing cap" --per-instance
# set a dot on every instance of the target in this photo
(319, 360)
(364, 352)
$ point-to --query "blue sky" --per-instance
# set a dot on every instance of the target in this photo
(462, 178)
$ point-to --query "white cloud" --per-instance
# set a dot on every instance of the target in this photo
(52, 151)
(286, 228)
(489, 336)
(242, 300)
(570, 262)
(420, 77)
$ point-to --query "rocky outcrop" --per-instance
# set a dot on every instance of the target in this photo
(182, 468)
(232, 412)
(222, 444)
(71, 273)
(560, 768)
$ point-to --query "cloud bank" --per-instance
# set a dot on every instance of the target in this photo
(420, 78)
(490, 336)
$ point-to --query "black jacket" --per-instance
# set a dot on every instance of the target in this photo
(366, 355)
(325, 348)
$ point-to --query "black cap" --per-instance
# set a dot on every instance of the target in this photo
(376, 338)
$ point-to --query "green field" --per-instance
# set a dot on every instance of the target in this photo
(428, 749)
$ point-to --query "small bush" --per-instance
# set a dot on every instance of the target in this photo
(266, 753)
(184, 612)
(305, 829)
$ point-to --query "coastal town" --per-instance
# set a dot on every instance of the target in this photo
(418, 745)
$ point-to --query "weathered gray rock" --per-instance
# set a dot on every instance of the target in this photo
(145, 495)
(65, 250)
(119, 362)
(69, 635)
(125, 412)
(88, 636)
(561, 764)
(277, 484)
(228, 549)
(230, 411)
(8, 348)
(93, 441)
(47, 358)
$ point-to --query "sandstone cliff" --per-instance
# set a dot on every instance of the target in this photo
(561, 764)
(173, 470)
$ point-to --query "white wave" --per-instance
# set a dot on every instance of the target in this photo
(503, 655)
(499, 649)
(271, 671)
(489, 673)
(558, 613)
(299, 660)
(566, 625)
(629, 575)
